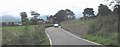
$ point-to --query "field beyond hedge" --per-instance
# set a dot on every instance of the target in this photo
(21, 35)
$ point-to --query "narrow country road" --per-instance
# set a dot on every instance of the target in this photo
(59, 36)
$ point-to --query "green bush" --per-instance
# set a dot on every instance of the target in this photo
(48, 25)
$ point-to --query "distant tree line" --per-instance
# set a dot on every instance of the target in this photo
(33, 21)
(61, 16)
(103, 10)
(67, 14)
(11, 23)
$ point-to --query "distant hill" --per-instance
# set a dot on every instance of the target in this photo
(9, 18)
(42, 17)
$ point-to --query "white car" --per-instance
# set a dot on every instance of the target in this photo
(56, 25)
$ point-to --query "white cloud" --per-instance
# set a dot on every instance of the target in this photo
(45, 7)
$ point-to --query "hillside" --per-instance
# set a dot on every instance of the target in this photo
(8, 18)
(102, 29)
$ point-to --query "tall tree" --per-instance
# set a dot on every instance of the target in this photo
(51, 18)
(60, 16)
(88, 12)
(116, 9)
(103, 10)
(70, 14)
(34, 19)
(24, 18)
(63, 15)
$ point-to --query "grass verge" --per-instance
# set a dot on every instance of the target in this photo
(103, 30)
(21, 35)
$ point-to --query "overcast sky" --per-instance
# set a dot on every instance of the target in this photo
(46, 7)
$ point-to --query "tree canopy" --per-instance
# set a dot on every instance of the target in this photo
(24, 18)
(60, 16)
(23, 14)
(63, 15)
(88, 12)
(70, 14)
(103, 10)
(34, 19)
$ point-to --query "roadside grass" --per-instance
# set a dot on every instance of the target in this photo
(100, 40)
(76, 27)
(21, 35)
(103, 30)
(48, 25)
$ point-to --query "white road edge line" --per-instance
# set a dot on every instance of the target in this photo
(49, 38)
(81, 38)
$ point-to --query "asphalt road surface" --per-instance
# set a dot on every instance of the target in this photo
(59, 36)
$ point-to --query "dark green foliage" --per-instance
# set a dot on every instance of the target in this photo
(23, 15)
(24, 18)
(63, 15)
(48, 25)
(34, 20)
(88, 13)
(116, 9)
(60, 16)
(51, 19)
(70, 14)
(103, 10)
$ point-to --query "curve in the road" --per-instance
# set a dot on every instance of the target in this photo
(59, 36)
